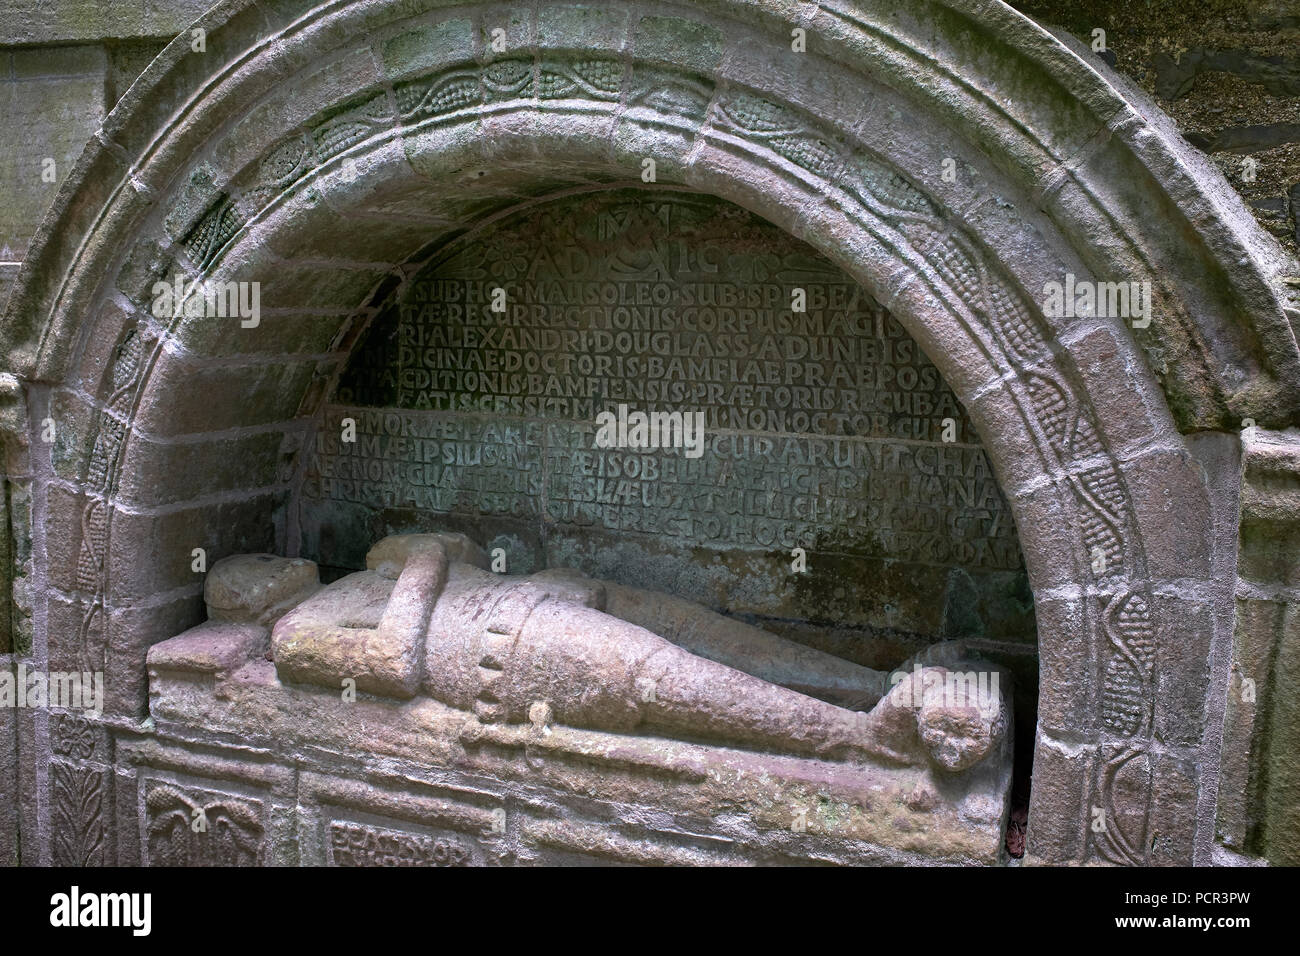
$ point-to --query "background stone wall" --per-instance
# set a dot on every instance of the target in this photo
(63, 66)
(1226, 71)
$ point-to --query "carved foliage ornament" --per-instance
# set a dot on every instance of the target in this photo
(197, 828)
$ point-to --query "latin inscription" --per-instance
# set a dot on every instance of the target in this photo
(352, 844)
(926, 502)
(476, 391)
(662, 304)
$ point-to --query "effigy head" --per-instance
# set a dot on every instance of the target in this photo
(961, 712)
(959, 734)
(258, 588)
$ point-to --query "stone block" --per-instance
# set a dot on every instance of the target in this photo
(8, 777)
(65, 510)
(101, 362)
(1067, 699)
(49, 118)
(426, 48)
(1058, 818)
(1170, 504)
(29, 21)
(1173, 818)
(1054, 557)
(1127, 405)
(190, 395)
(581, 27)
(214, 649)
(1244, 734)
(153, 553)
(676, 41)
(84, 438)
(1280, 836)
(156, 474)
(1003, 430)
(1185, 630)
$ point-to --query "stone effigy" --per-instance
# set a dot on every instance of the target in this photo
(427, 616)
(558, 664)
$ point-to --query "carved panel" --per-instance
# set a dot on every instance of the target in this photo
(75, 737)
(360, 844)
(78, 799)
(189, 827)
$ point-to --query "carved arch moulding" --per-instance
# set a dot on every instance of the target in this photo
(320, 150)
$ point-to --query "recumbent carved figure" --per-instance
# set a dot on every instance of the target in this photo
(427, 617)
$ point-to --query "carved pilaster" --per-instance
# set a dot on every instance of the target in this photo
(1259, 803)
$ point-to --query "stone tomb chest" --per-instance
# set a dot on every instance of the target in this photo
(510, 639)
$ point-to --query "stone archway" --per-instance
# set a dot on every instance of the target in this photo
(315, 150)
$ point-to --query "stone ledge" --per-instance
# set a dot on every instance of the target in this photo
(34, 21)
(216, 649)
(850, 813)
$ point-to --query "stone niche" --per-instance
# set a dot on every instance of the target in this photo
(825, 430)
(596, 653)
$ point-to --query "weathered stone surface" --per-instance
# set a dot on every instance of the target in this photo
(52, 101)
(216, 647)
(330, 162)
(824, 429)
(1259, 812)
(1244, 739)
(257, 588)
(8, 776)
(541, 657)
(1247, 139)
(1279, 75)
(27, 21)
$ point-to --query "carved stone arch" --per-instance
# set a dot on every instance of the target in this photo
(321, 149)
